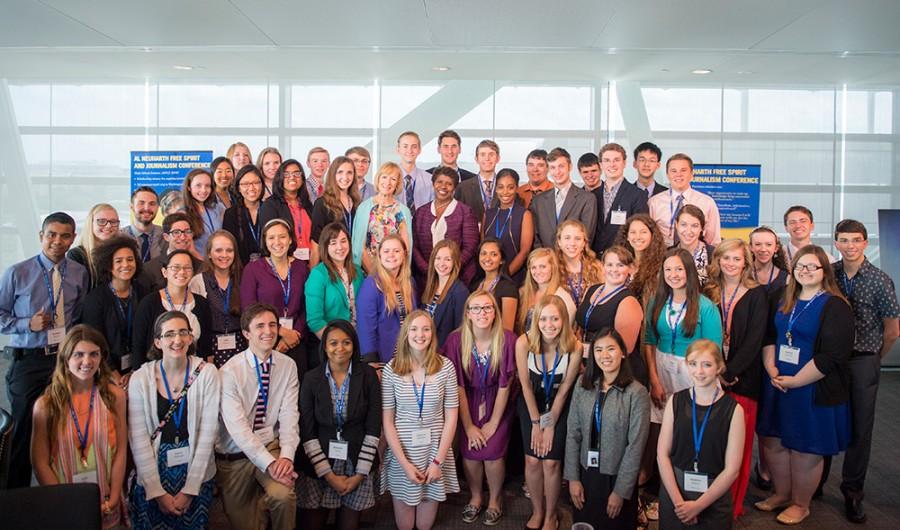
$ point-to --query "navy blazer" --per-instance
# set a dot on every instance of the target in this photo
(630, 199)
(449, 313)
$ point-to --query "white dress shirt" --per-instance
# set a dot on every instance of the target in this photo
(663, 209)
(240, 388)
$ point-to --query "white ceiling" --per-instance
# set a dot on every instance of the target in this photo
(760, 42)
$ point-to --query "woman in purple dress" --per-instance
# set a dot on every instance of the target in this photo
(484, 355)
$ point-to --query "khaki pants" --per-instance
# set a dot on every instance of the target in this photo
(251, 496)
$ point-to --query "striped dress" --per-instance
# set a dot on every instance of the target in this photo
(441, 394)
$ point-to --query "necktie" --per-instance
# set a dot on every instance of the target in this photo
(319, 190)
(145, 248)
(560, 199)
(59, 319)
(259, 418)
(410, 191)
(488, 188)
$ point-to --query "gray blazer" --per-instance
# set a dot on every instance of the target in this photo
(579, 204)
(624, 430)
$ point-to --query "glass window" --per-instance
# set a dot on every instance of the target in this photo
(544, 107)
(684, 109)
(104, 105)
(399, 100)
(335, 106)
(214, 106)
(32, 104)
(796, 111)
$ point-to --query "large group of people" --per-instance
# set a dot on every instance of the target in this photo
(299, 340)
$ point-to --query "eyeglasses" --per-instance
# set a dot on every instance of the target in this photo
(360, 161)
(170, 335)
(808, 267)
(247, 185)
(293, 174)
(180, 268)
(477, 310)
(642, 160)
(103, 222)
(179, 233)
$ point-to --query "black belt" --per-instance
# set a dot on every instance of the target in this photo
(231, 457)
(857, 353)
(18, 353)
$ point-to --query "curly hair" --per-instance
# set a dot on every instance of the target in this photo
(643, 281)
(104, 252)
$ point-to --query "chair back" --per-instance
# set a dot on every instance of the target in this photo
(6, 430)
(63, 507)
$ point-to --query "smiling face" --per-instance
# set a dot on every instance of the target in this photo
(537, 170)
(391, 254)
(590, 175)
(262, 332)
(639, 236)
(123, 264)
(318, 164)
(763, 245)
(799, 226)
(487, 159)
(293, 178)
(106, 224)
(240, 157)
(559, 171)
(732, 263)
(481, 312)
(387, 183)
(180, 236)
(680, 175)
(505, 191)
(171, 342)
(541, 270)
(360, 164)
(852, 246)
(278, 240)
(608, 355)
(490, 257)
(201, 187)
(674, 273)
(408, 148)
(806, 277)
(443, 262)
(420, 333)
(444, 187)
(251, 187)
(571, 241)
(613, 164)
(84, 361)
(270, 164)
(646, 164)
(339, 248)
(221, 253)
(144, 206)
(703, 368)
(179, 271)
(550, 322)
(345, 176)
(449, 150)
(223, 175)
(56, 238)
(689, 229)
(616, 272)
(338, 347)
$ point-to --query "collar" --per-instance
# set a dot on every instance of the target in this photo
(48, 265)
(599, 385)
(645, 188)
(249, 356)
(863, 268)
(564, 190)
(676, 193)
(615, 188)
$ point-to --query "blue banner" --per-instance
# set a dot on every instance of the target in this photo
(735, 188)
(165, 170)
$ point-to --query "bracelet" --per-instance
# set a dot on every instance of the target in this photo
(436, 462)
(535, 422)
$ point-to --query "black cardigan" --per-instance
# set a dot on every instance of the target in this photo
(833, 346)
(100, 313)
(277, 208)
(748, 329)
(147, 312)
(321, 216)
(317, 410)
(236, 221)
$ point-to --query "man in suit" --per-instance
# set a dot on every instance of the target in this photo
(589, 169)
(449, 145)
(478, 193)
(647, 157)
(617, 199)
(415, 184)
(565, 202)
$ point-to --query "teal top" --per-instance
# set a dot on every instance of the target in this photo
(709, 326)
(327, 300)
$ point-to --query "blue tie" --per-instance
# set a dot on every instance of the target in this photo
(145, 248)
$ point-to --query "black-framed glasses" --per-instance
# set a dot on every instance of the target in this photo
(808, 267)
(179, 233)
(478, 309)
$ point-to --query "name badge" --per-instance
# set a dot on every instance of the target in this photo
(337, 450)
(482, 410)
(55, 336)
(302, 254)
(617, 217)
(671, 363)
(789, 354)
(695, 482)
(226, 341)
(125, 362)
(546, 420)
(421, 437)
(593, 458)
(265, 435)
(286, 322)
(177, 457)
(88, 477)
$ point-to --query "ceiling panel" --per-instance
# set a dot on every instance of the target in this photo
(31, 23)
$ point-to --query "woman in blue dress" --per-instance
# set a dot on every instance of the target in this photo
(804, 408)
(511, 224)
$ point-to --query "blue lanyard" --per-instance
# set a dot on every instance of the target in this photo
(348, 220)
(598, 414)
(849, 285)
(264, 391)
(179, 414)
(547, 378)
(420, 400)
(430, 308)
(254, 233)
(726, 308)
(340, 400)
(498, 228)
(212, 227)
(493, 284)
(121, 312)
(172, 304)
(792, 319)
(83, 436)
(483, 370)
(594, 302)
(673, 326)
(53, 299)
(285, 289)
(577, 288)
(698, 436)
(771, 275)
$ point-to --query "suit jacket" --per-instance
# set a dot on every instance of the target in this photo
(464, 174)
(579, 205)
(469, 193)
(629, 199)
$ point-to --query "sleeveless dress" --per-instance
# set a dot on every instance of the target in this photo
(604, 316)
(508, 232)
(712, 460)
(535, 376)
(794, 416)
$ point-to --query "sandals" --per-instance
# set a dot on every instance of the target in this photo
(492, 517)
(787, 520)
(470, 513)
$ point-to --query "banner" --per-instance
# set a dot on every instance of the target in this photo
(735, 188)
(163, 170)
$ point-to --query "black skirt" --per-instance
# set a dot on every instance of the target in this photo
(717, 516)
(597, 489)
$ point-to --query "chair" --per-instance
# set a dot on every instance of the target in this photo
(63, 507)
(6, 430)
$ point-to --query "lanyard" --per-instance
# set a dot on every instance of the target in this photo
(485, 370)
(285, 289)
(594, 302)
(433, 305)
(53, 299)
(179, 414)
(789, 336)
(83, 437)
(577, 288)
(348, 220)
(498, 228)
(493, 284)
(598, 413)
(264, 391)
(849, 285)
(726, 308)
(420, 400)
(771, 275)
(172, 304)
(698, 436)
(254, 231)
(673, 326)
(340, 399)
(547, 378)
(121, 312)
(212, 227)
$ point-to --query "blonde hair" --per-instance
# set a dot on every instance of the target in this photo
(387, 283)
(389, 168)
(591, 268)
(268, 151)
(233, 147)
(714, 286)
(467, 334)
(529, 288)
(401, 364)
(433, 280)
(88, 240)
(705, 346)
(567, 342)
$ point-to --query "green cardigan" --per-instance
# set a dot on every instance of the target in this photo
(327, 300)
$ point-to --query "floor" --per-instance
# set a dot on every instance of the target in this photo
(883, 483)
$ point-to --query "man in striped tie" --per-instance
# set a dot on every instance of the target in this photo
(259, 428)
